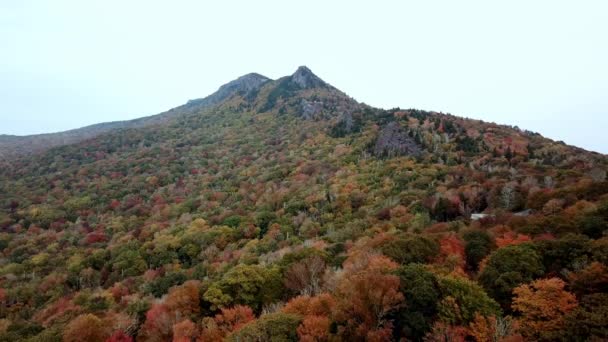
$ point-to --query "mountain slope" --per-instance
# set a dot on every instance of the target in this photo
(245, 87)
(17, 145)
(270, 192)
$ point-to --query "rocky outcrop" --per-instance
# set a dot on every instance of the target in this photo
(304, 78)
(394, 141)
(243, 86)
(310, 110)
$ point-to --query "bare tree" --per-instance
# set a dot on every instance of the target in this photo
(305, 276)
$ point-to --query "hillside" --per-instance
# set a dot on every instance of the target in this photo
(11, 145)
(285, 209)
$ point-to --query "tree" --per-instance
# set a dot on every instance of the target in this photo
(508, 153)
(564, 253)
(184, 331)
(305, 277)
(226, 322)
(412, 249)
(183, 301)
(462, 300)
(442, 332)
(491, 328)
(588, 321)
(44, 215)
(509, 267)
(509, 196)
(478, 244)
(251, 285)
(511, 238)
(129, 263)
(321, 305)
(119, 336)
(421, 290)
(445, 210)
(543, 305)
(158, 326)
(553, 206)
(270, 327)
(234, 318)
(591, 279)
(85, 327)
(161, 285)
(452, 253)
(366, 294)
(599, 250)
(316, 312)
(314, 329)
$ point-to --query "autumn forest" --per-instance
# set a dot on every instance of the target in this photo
(284, 210)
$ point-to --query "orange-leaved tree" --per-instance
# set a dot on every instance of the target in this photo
(542, 306)
(367, 293)
(184, 331)
(227, 321)
(86, 327)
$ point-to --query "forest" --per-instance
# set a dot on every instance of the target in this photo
(284, 210)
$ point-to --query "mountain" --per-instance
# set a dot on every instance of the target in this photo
(284, 210)
(18, 145)
(245, 87)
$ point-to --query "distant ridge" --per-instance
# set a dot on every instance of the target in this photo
(247, 86)
(303, 94)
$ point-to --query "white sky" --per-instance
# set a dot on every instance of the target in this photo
(541, 65)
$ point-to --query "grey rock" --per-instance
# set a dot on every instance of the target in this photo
(394, 141)
(242, 85)
(304, 78)
(310, 110)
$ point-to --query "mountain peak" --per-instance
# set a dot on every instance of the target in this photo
(305, 78)
(304, 69)
(243, 85)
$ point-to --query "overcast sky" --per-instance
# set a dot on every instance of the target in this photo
(541, 65)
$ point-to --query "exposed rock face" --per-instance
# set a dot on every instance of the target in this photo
(310, 110)
(310, 96)
(347, 122)
(242, 85)
(304, 78)
(394, 141)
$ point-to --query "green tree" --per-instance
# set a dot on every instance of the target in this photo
(411, 249)
(462, 299)
(251, 285)
(509, 267)
(159, 286)
(588, 322)
(420, 288)
(478, 244)
(129, 263)
(564, 253)
(275, 327)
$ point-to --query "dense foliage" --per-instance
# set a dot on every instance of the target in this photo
(289, 212)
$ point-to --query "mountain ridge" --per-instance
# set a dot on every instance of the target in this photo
(11, 145)
(246, 87)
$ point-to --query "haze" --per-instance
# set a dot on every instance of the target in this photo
(540, 65)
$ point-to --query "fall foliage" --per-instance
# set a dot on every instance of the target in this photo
(289, 212)
(543, 305)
